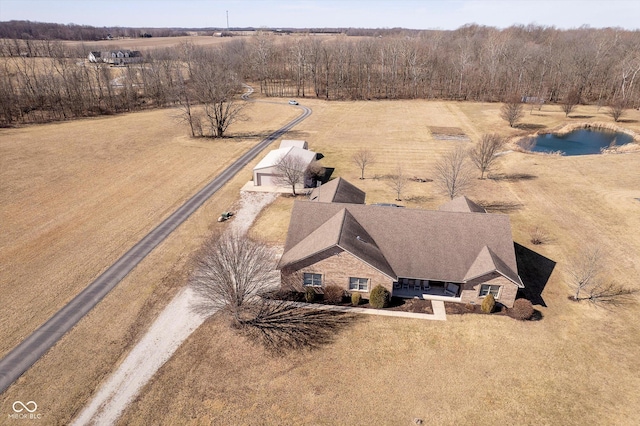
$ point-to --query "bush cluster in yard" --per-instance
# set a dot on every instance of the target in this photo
(309, 294)
(333, 294)
(355, 299)
(522, 310)
(488, 303)
(379, 297)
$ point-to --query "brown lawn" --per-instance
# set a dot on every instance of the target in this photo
(77, 195)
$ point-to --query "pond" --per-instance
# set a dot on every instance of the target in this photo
(580, 142)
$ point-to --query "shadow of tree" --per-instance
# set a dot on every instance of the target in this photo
(419, 198)
(530, 126)
(580, 116)
(282, 326)
(622, 120)
(511, 177)
(500, 206)
(534, 270)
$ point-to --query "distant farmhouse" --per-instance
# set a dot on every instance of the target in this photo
(116, 57)
(459, 253)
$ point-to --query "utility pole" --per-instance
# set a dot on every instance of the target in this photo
(227, 19)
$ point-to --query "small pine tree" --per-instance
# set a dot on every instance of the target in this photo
(488, 303)
(309, 294)
(355, 299)
(379, 297)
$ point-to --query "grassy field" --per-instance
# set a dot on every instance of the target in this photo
(75, 196)
(578, 365)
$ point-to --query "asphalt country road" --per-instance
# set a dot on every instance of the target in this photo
(25, 354)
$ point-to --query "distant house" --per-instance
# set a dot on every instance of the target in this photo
(458, 253)
(338, 191)
(116, 57)
(266, 171)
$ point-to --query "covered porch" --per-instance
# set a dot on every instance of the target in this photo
(408, 288)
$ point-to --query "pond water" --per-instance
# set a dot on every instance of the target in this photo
(580, 142)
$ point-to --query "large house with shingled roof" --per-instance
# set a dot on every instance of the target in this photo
(459, 253)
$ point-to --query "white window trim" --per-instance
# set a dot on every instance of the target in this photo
(304, 284)
(358, 289)
(489, 292)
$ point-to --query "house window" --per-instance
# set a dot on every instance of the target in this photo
(314, 280)
(359, 284)
(489, 289)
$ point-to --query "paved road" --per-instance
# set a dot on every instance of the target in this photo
(23, 356)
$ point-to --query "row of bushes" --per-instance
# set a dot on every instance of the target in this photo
(379, 298)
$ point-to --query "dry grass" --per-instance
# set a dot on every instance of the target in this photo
(75, 196)
(578, 365)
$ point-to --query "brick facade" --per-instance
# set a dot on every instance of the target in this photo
(336, 270)
(508, 290)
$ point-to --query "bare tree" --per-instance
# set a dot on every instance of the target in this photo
(584, 270)
(230, 271)
(216, 87)
(570, 101)
(291, 170)
(398, 182)
(483, 155)
(616, 109)
(362, 159)
(452, 173)
(512, 111)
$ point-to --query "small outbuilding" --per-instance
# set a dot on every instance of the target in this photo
(266, 171)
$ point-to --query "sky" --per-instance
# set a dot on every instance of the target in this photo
(413, 14)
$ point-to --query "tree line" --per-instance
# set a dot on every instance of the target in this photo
(42, 80)
(472, 63)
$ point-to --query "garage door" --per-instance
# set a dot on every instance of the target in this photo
(265, 179)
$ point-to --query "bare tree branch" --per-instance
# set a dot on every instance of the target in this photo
(584, 270)
(362, 159)
(512, 111)
(231, 270)
(398, 182)
(452, 173)
(291, 171)
(483, 155)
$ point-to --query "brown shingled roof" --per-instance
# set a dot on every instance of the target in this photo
(423, 244)
(338, 191)
(462, 204)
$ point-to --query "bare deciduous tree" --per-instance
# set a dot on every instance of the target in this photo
(398, 182)
(616, 109)
(512, 111)
(483, 155)
(362, 159)
(570, 101)
(452, 173)
(291, 171)
(586, 271)
(230, 271)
